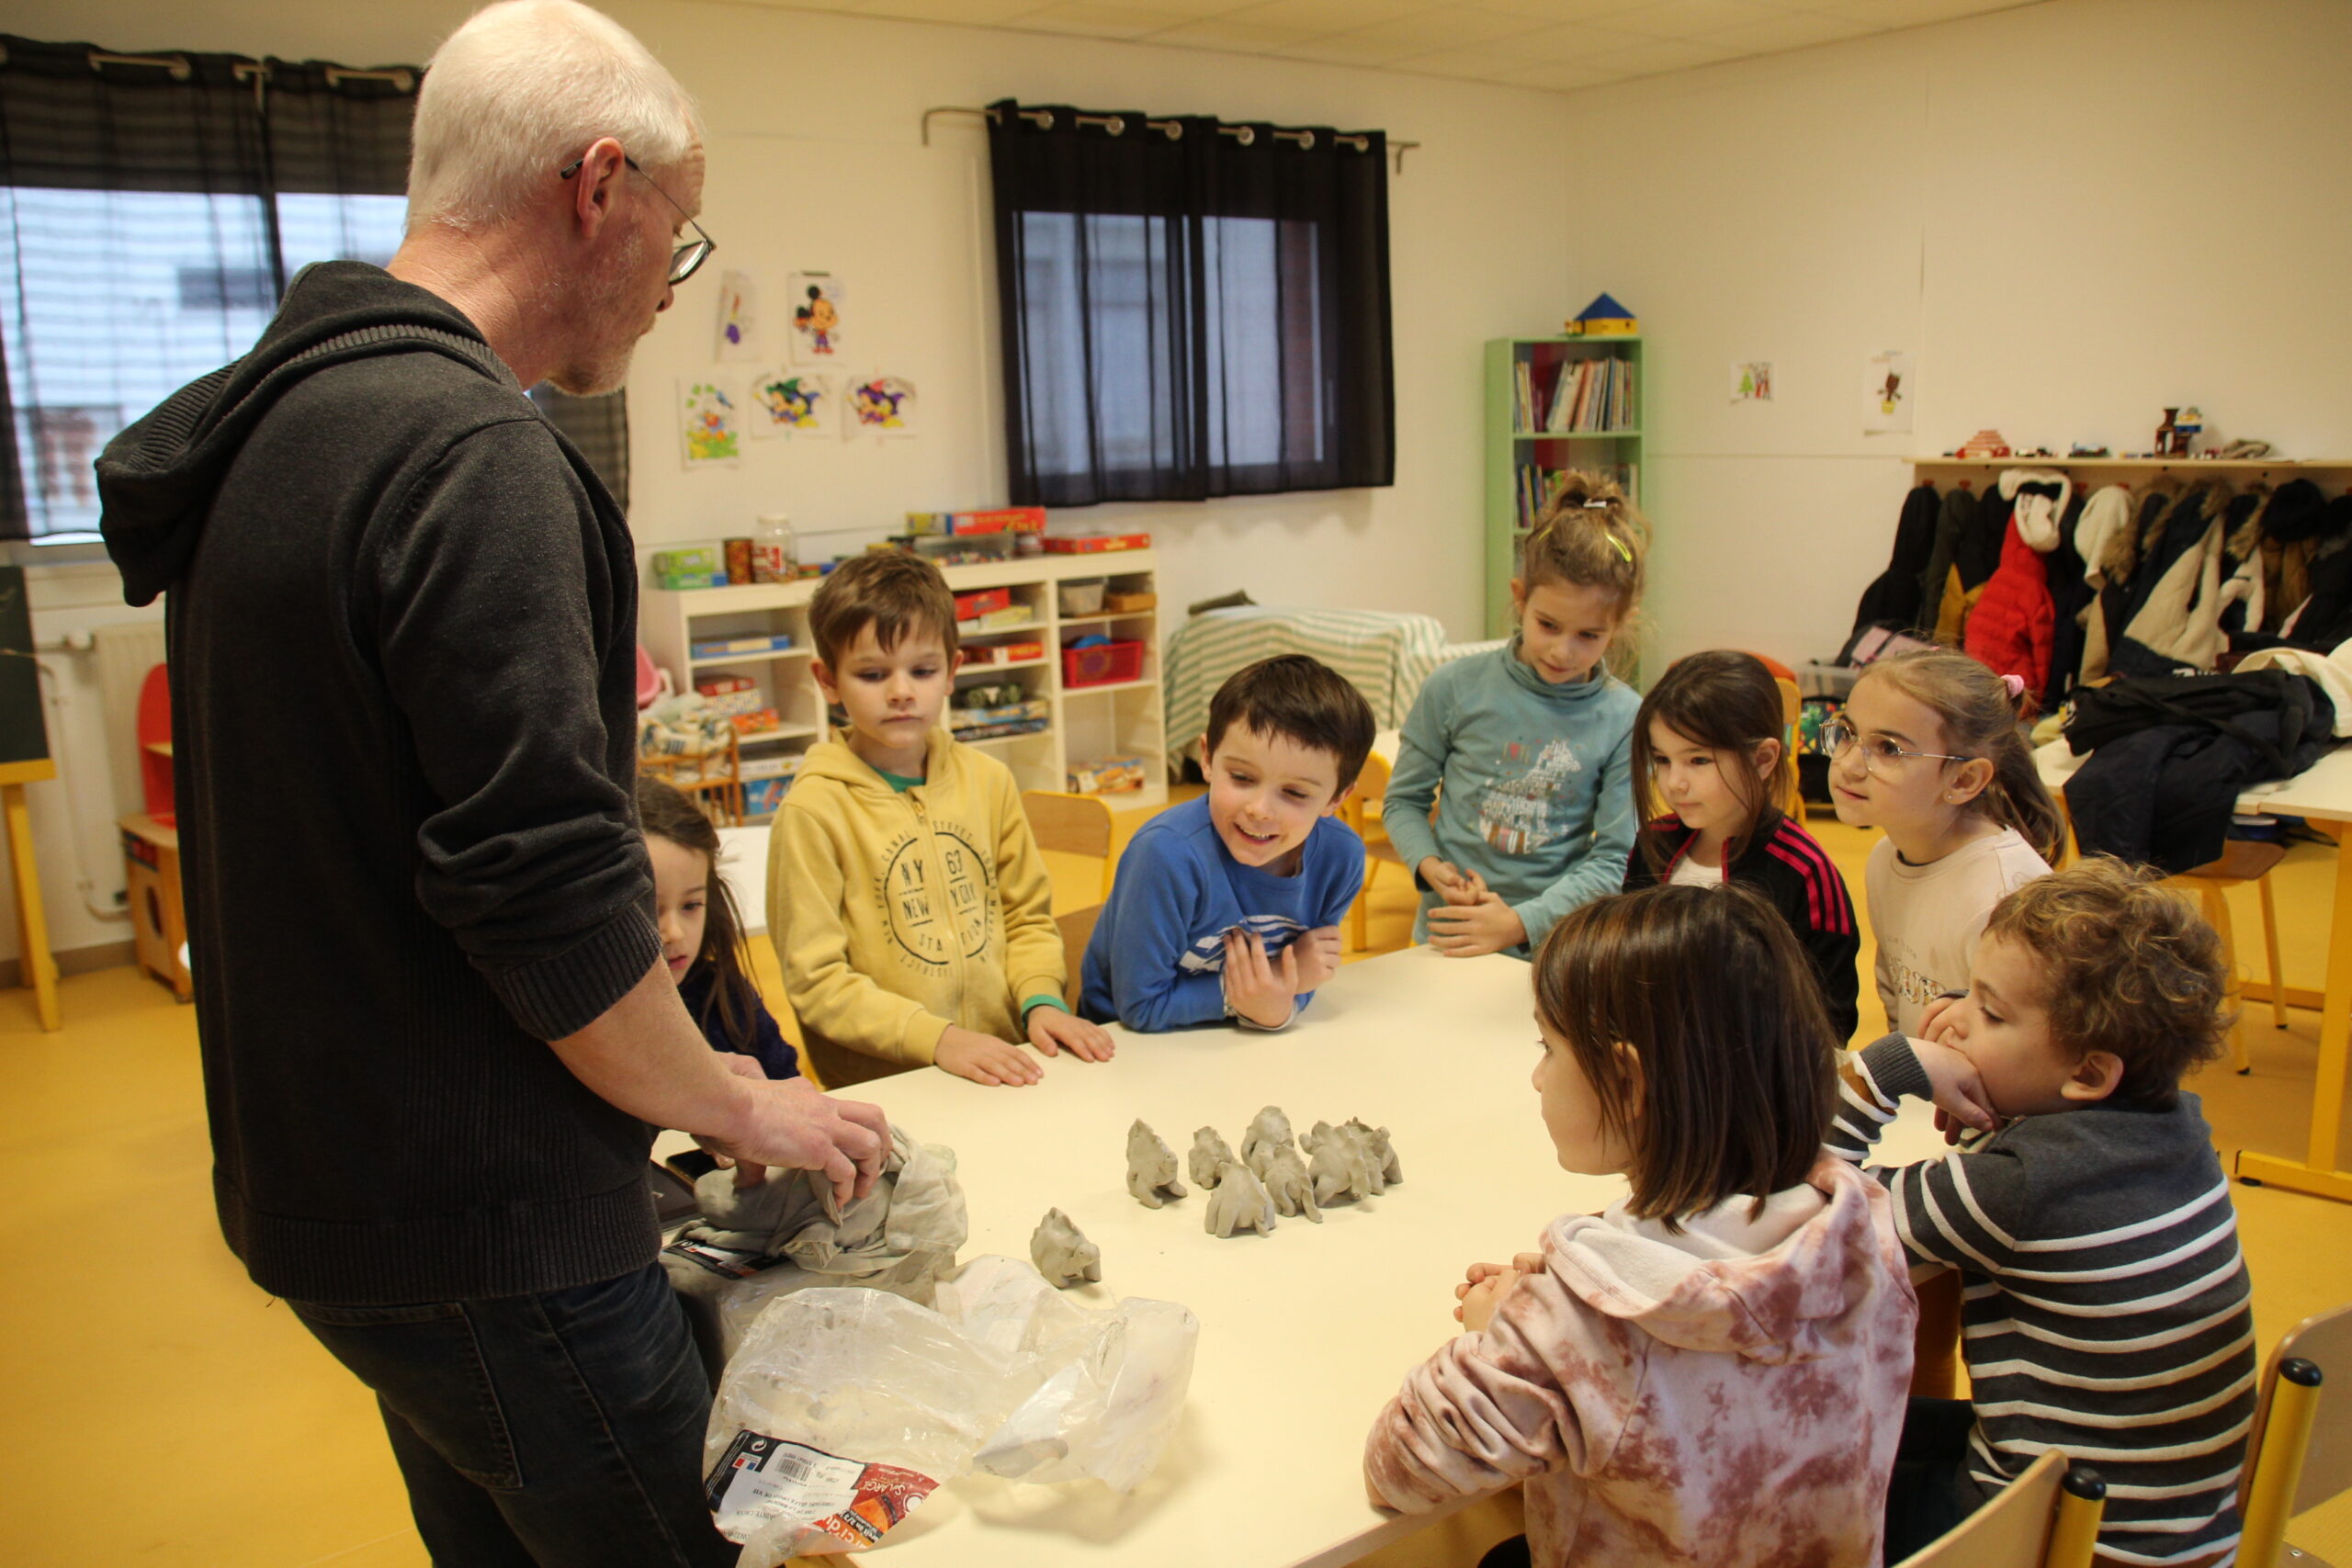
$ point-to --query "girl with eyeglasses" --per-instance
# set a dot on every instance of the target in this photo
(1929, 749)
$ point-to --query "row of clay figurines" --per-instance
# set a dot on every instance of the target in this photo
(1272, 1176)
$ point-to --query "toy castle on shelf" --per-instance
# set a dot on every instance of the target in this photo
(1604, 318)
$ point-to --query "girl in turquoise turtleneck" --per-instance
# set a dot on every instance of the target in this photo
(1532, 743)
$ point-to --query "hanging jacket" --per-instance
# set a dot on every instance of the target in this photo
(2107, 539)
(1976, 555)
(1893, 597)
(2010, 631)
(2243, 589)
(1727, 1395)
(2290, 526)
(2179, 618)
(1953, 517)
(2069, 596)
(2325, 618)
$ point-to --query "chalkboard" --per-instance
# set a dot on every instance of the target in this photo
(24, 734)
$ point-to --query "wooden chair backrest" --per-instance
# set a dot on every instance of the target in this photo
(1077, 929)
(1072, 825)
(1361, 809)
(2326, 1341)
(2027, 1525)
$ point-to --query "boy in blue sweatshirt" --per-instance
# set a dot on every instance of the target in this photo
(1228, 905)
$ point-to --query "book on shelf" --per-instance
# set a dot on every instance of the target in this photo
(1540, 485)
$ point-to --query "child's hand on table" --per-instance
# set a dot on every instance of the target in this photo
(1957, 1090)
(1260, 990)
(1454, 885)
(983, 1058)
(1466, 931)
(1486, 1285)
(1052, 1031)
(1319, 956)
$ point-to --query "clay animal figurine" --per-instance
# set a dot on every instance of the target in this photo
(1209, 1151)
(1376, 1143)
(1287, 1182)
(1338, 1168)
(1239, 1202)
(1271, 1126)
(1151, 1168)
(1315, 1136)
(1062, 1252)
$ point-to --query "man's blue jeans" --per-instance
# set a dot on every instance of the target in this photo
(562, 1430)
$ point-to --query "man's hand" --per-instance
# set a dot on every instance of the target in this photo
(983, 1058)
(1452, 883)
(791, 1122)
(1052, 1031)
(1487, 1285)
(1958, 1091)
(1260, 990)
(1468, 930)
(1319, 956)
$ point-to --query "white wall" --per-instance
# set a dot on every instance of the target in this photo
(816, 164)
(2074, 214)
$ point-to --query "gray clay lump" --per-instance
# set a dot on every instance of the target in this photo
(1151, 1168)
(1239, 1202)
(1062, 1252)
(1209, 1151)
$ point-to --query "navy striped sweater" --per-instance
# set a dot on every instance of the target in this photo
(2105, 1301)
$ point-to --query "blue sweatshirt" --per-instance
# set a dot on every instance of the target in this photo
(767, 1043)
(1157, 960)
(1539, 784)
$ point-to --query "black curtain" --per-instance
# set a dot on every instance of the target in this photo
(1190, 308)
(153, 207)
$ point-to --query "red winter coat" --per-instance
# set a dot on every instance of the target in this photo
(2009, 631)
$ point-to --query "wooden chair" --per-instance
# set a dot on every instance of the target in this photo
(2048, 1517)
(1077, 929)
(2301, 1449)
(2243, 859)
(1791, 710)
(1072, 825)
(720, 790)
(1362, 812)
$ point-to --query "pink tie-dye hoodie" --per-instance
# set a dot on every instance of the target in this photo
(1729, 1395)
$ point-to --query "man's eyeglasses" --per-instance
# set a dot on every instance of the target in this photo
(686, 257)
(1880, 754)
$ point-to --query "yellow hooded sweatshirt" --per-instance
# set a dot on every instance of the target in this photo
(896, 914)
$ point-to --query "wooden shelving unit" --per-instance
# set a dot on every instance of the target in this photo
(1083, 724)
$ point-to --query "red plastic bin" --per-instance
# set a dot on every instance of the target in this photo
(1103, 664)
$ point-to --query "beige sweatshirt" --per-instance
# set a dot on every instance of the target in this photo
(896, 914)
(1926, 918)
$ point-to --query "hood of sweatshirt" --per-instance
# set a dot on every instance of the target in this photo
(1773, 1288)
(156, 479)
(943, 759)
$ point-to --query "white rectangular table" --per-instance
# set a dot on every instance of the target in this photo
(2321, 795)
(1304, 1332)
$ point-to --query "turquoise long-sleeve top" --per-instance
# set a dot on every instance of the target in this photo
(1538, 795)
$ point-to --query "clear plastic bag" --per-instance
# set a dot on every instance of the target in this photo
(844, 1408)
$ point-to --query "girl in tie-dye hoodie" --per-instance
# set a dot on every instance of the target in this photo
(1713, 1369)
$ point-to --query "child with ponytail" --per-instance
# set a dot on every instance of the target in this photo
(1929, 749)
(1533, 743)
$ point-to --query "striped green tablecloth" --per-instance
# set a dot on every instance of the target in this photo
(1382, 654)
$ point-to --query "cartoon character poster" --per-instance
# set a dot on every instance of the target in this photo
(738, 319)
(708, 421)
(1890, 384)
(815, 300)
(883, 405)
(794, 403)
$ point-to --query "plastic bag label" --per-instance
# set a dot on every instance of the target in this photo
(727, 1263)
(760, 1478)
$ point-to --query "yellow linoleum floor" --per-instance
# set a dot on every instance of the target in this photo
(155, 1408)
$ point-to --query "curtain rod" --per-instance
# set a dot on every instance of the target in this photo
(1172, 128)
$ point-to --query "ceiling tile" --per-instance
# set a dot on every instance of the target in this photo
(1091, 18)
(1443, 26)
(1321, 16)
(1799, 30)
(975, 13)
(1561, 75)
(1351, 49)
(1556, 11)
(1577, 42)
(1235, 31)
(1469, 64)
(1915, 13)
(1689, 18)
(1660, 54)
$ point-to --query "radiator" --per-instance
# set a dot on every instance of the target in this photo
(125, 653)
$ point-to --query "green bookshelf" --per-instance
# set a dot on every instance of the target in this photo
(1541, 422)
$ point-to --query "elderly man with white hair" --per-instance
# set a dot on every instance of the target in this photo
(434, 1018)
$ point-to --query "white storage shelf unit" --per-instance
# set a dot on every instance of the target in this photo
(1084, 723)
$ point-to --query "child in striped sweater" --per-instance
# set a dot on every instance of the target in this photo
(2105, 1299)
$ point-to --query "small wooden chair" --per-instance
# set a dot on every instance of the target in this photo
(1792, 800)
(1077, 929)
(2301, 1447)
(2048, 1517)
(1072, 825)
(1362, 812)
(2243, 859)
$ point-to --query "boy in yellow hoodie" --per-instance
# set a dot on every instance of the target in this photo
(907, 902)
